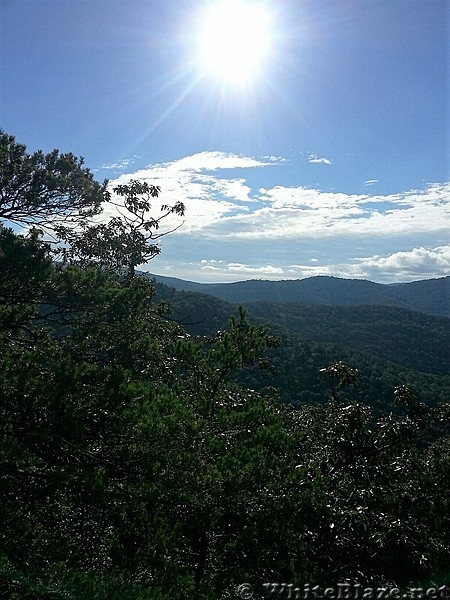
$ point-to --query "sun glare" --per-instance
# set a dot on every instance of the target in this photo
(235, 40)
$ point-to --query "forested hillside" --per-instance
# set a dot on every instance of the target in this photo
(388, 345)
(143, 461)
(410, 339)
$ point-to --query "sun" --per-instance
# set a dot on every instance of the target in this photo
(235, 40)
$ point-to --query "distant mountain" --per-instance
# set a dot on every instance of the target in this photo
(430, 296)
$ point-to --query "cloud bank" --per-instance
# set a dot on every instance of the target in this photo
(290, 231)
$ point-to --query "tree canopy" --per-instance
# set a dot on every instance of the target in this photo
(43, 189)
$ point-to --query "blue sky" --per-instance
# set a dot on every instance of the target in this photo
(331, 158)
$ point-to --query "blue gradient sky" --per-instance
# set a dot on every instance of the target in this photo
(333, 159)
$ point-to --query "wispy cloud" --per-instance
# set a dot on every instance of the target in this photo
(275, 159)
(319, 160)
(119, 165)
(370, 182)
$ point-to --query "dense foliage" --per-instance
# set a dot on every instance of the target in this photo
(134, 465)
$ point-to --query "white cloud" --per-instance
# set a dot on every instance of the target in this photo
(308, 213)
(234, 188)
(313, 158)
(219, 266)
(424, 262)
(213, 161)
(370, 182)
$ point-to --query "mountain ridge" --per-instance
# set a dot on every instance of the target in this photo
(430, 296)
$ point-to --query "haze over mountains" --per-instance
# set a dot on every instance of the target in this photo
(430, 296)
